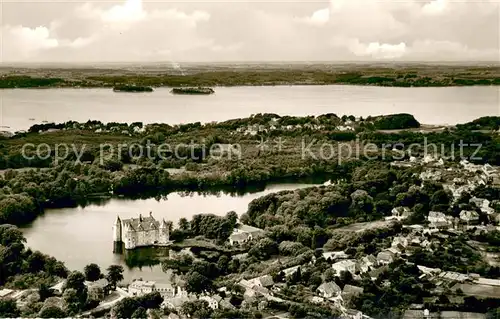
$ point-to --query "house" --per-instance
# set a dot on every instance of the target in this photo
(333, 255)
(453, 276)
(329, 290)
(98, 289)
(176, 302)
(263, 281)
(428, 271)
(488, 170)
(375, 273)
(479, 202)
(254, 231)
(431, 175)
(290, 271)
(437, 219)
(416, 241)
(396, 251)
(385, 257)
(317, 300)
(440, 162)
(6, 134)
(140, 287)
(5, 293)
(399, 241)
(166, 290)
(261, 291)
(239, 239)
(58, 288)
(350, 291)
(226, 304)
(245, 283)
(212, 302)
(369, 261)
(345, 265)
(400, 213)
(469, 217)
(243, 233)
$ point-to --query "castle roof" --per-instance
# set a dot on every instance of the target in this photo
(142, 223)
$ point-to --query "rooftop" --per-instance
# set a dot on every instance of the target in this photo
(5, 292)
(248, 229)
(143, 283)
(142, 223)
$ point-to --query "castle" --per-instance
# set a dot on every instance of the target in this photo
(140, 232)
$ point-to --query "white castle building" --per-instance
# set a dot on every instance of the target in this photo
(140, 232)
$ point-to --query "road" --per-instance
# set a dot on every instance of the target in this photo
(107, 305)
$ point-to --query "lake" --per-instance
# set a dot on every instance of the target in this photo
(82, 235)
(21, 108)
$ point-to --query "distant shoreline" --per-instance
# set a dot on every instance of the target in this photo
(270, 75)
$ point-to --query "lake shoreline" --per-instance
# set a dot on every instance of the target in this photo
(287, 84)
(216, 76)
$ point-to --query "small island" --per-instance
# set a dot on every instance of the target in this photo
(132, 88)
(193, 90)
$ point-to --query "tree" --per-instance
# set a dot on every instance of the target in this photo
(115, 274)
(92, 272)
(74, 300)
(196, 309)
(44, 292)
(140, 313)
(346, 277)
(113, 165)
(184, 224)
(234, 265)
(197, 283)
(125, 308)
(383, 207)
(36, 262)
(222, 264)
(10, 234)
(75, 280)
(8, 309)
(151, 300)
(444, 300)
(440, 197)
(264, 249)
(232, 217)
(315, 280)
(52, 312)
(329, 275)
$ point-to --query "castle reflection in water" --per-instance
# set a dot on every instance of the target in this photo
(143, 257)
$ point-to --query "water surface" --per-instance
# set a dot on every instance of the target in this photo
(446, 105)
(79, 236)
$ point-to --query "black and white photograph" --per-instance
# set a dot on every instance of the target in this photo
(250, 159)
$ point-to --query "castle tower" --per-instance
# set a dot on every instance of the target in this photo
(117, 235)
(164, 235)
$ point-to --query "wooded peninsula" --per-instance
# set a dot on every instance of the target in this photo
(164, 75)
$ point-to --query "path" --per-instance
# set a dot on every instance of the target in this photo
(107, 305)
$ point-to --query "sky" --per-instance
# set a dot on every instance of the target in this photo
(235, 30)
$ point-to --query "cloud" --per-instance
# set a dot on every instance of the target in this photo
(136, 30)
(435, 7)
(373, 50)
(319, 17)
(130, 11)
(385, 50)
(22, 42)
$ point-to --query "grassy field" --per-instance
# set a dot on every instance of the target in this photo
(404, 75)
